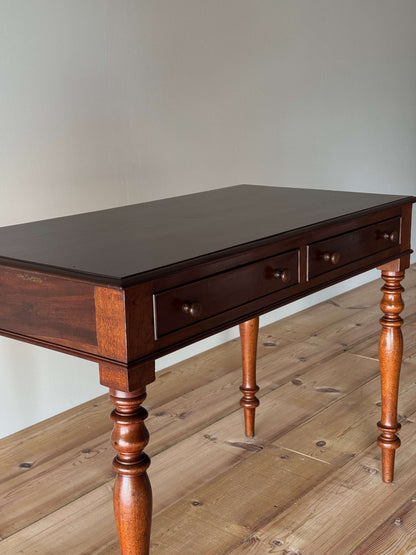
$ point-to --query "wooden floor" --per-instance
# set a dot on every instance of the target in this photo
(309, 482)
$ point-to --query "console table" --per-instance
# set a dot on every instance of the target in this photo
(125, 286)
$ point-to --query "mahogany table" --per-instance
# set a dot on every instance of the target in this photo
(125, 286)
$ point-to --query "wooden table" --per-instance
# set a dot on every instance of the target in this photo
(125, 286)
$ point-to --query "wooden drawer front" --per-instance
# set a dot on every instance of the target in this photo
(190, 303)
(326, 255)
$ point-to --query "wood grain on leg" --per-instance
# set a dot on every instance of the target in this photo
(249, 334)
(132, 490)
(390, 354)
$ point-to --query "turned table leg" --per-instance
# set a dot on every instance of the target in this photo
(390, 354)
(132, 490)
(249, 334)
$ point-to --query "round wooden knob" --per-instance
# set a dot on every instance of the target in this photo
(283, 275)
(193, 309)
(393, 236)
(332, 257)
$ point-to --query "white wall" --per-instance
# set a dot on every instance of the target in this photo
(106, 102)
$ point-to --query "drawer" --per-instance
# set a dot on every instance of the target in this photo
(326, 255)
(198, 300)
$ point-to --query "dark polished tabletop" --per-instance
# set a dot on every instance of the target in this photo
(118, 243)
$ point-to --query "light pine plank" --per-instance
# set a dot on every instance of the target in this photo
(345, 427)
(65, 530)
(337, 514)
(51, 438)
(395, 535)
(235, 502)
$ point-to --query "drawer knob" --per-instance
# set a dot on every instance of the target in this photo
(393, 236)
(283, 275)
(193, 309)
(332, 257)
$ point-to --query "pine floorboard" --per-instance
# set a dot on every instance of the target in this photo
(308, 483)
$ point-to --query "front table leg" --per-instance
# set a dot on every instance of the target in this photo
(132, 490)
(249, 334)
(390, 355)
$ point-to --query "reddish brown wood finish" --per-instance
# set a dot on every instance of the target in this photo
(111, 323)
(119, 330)
(351, 246)
(48, 308)
(127, 377)
(132, 490)
(249, 335)
(390, 354)
(229, 289)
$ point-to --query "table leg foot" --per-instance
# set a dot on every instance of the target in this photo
(390, 355)
(132, 490)
(249, 402)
